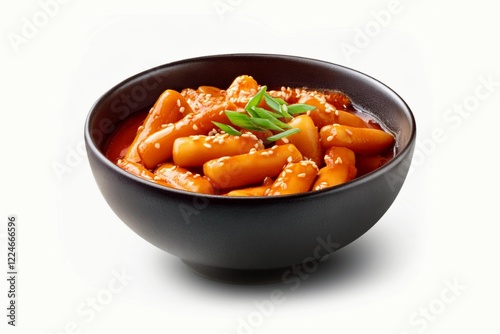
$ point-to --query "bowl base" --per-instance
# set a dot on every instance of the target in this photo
(238, 276)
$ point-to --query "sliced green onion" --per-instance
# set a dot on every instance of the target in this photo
(284, 111)
(265, 124)
(280, 100)
(252, 113)
(272, 103)
(254, 101)
(242, 120)
(299, 108)
(256, 118)
(227, 129)
(263, 113)
(267, 112)
(283, 134)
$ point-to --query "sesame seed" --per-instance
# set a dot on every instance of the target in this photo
(338, 160)
(207, 145)
(290, 148)
(195, 127)
(288, 170)
(289, 159)
(302, 175)
(336, 112)
(195, 137)
(349, 132)
(285, 140)
(267, 192)
(157, 178)
(178, 102)
(189, 173)
(265, 154)
(328, 110)
(270, 152)
(256, 146)
(284, 186)
(330, 138)
(182, 109)
(157, 146)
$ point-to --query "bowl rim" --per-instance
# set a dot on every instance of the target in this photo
(399, 156)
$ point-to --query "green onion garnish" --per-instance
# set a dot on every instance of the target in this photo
(227, 129)
(256, 118)
(283, 134)
(299, 108)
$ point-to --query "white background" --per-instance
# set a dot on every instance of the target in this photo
(441, 231)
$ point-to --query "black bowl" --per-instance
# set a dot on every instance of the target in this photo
(249, 239)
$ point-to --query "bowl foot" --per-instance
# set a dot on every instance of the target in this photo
(238, 276)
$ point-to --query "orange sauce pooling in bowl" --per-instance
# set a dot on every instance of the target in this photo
(123, 136)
